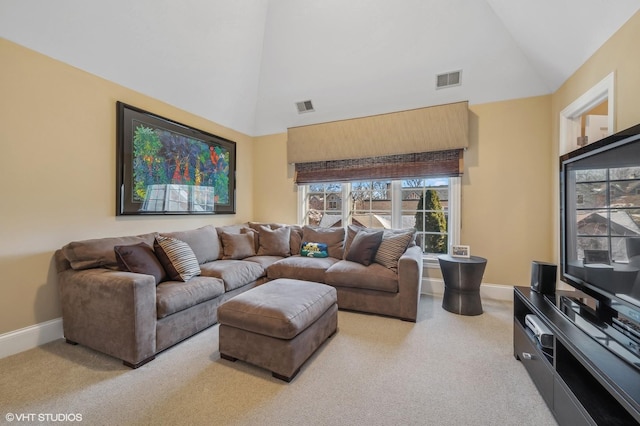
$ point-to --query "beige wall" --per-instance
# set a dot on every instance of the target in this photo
(619, 55)
(505, 188)
(275, 194)
(57, 168)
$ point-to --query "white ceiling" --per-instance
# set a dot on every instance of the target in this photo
(244, 63)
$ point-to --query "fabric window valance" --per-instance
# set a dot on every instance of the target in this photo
(436, 128)
(417, 165)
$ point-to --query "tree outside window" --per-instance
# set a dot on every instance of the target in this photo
(431, 223)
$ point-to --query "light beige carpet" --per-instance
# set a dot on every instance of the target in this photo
(446, 369)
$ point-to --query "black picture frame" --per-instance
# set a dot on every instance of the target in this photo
(167, 168)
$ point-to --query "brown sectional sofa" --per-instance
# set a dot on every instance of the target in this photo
(130, 316)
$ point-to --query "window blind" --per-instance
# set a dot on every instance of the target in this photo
(416, 165)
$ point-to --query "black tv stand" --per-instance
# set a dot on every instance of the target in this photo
(581, 381)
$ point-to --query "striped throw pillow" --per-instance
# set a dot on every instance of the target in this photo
(178, 259)
(393, 245)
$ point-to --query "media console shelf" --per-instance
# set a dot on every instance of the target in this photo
(581, 381)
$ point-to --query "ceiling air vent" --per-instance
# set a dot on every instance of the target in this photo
(304, 106)
(449, 79)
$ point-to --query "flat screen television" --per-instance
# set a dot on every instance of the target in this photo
(600, 223)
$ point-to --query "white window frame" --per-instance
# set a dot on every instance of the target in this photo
(454, 211)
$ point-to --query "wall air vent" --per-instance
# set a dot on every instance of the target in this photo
(304, 106)
(449, 79)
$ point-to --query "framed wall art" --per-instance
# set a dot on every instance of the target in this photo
(164, 167)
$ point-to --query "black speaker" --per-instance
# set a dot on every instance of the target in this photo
(543, 277)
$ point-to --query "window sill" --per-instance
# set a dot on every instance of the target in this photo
(430, 262)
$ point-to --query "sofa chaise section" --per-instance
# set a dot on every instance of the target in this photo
(378, 290)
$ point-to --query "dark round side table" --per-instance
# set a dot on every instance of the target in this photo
(462, 277)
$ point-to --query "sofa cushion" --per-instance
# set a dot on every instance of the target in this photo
(177, 258)
(393, 245)
(99, 253)
(274, 242)
(176, 296)
(257, 225)
(203, 241)
(351, 274)
(332, 237)
(264, 261)
(141, 259)
(364, 247)
(301, 268)
(237, 246)
(234, 273)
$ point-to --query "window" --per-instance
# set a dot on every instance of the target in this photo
(429, 205)
(321, 204)
(370, 204)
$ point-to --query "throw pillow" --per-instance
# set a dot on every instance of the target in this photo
(178, 259)
(332, 237)
(274, 242)
(314, 250)
(230, 229)
(393, 245)
(237, 246)
(364, 247)
(141, 259)
(256, 238)
(352, 230)
(296, 239)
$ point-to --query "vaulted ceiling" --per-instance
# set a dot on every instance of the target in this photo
(244, 63)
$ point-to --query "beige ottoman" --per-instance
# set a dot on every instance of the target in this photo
(278, 325)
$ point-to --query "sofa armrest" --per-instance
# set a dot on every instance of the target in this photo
(410, 282)
(111, 311)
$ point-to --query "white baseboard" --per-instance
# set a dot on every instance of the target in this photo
(30, 337)
(435, 286)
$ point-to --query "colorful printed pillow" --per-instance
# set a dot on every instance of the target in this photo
(332, 237)
(314, 250)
